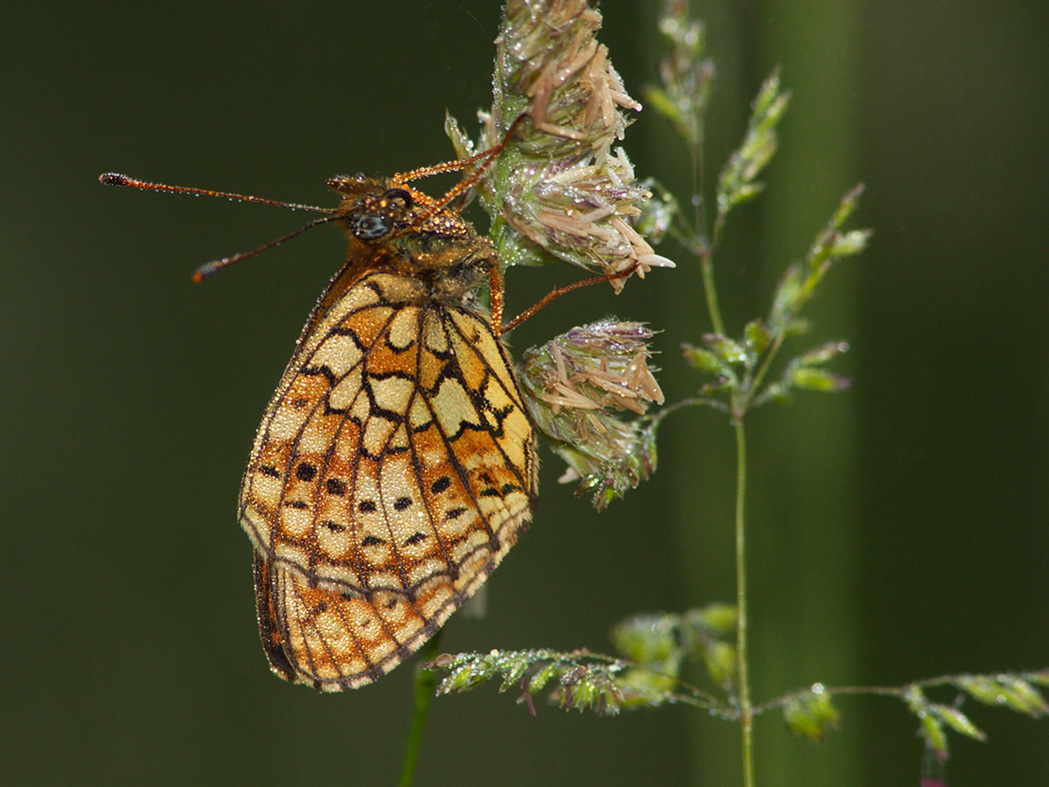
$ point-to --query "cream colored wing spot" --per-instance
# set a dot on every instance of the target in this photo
(339, 352)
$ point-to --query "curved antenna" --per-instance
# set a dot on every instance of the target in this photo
(209, 268)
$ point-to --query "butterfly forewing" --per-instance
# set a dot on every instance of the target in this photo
(394, 468)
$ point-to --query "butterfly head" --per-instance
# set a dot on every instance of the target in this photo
(376, 211)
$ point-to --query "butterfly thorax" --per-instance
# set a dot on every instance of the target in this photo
(395, 228)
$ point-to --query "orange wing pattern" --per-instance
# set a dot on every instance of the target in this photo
(394, 468)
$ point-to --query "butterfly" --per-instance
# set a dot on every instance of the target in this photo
(396, 463)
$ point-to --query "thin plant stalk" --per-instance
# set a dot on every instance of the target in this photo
(425, 690)
(707, 268)
(704, 248)
(746, 712)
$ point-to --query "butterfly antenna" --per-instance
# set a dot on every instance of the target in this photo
(209, 268)
(116, 179)
(201, 273)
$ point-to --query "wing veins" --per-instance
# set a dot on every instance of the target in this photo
(514, 396)
(293, 443)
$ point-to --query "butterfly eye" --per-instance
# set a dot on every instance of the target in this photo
(399, 197)
(369, 226)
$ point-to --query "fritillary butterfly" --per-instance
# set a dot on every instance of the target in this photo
(395, 465)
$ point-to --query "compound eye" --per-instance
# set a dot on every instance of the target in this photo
(369, 226)
(399, 197)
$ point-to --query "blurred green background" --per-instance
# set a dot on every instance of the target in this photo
(898, 531)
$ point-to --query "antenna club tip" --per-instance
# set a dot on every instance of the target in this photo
(113, 179)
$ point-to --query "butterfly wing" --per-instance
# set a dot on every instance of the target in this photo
(394, 468)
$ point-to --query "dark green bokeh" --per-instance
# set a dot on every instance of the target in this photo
(898, 531)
